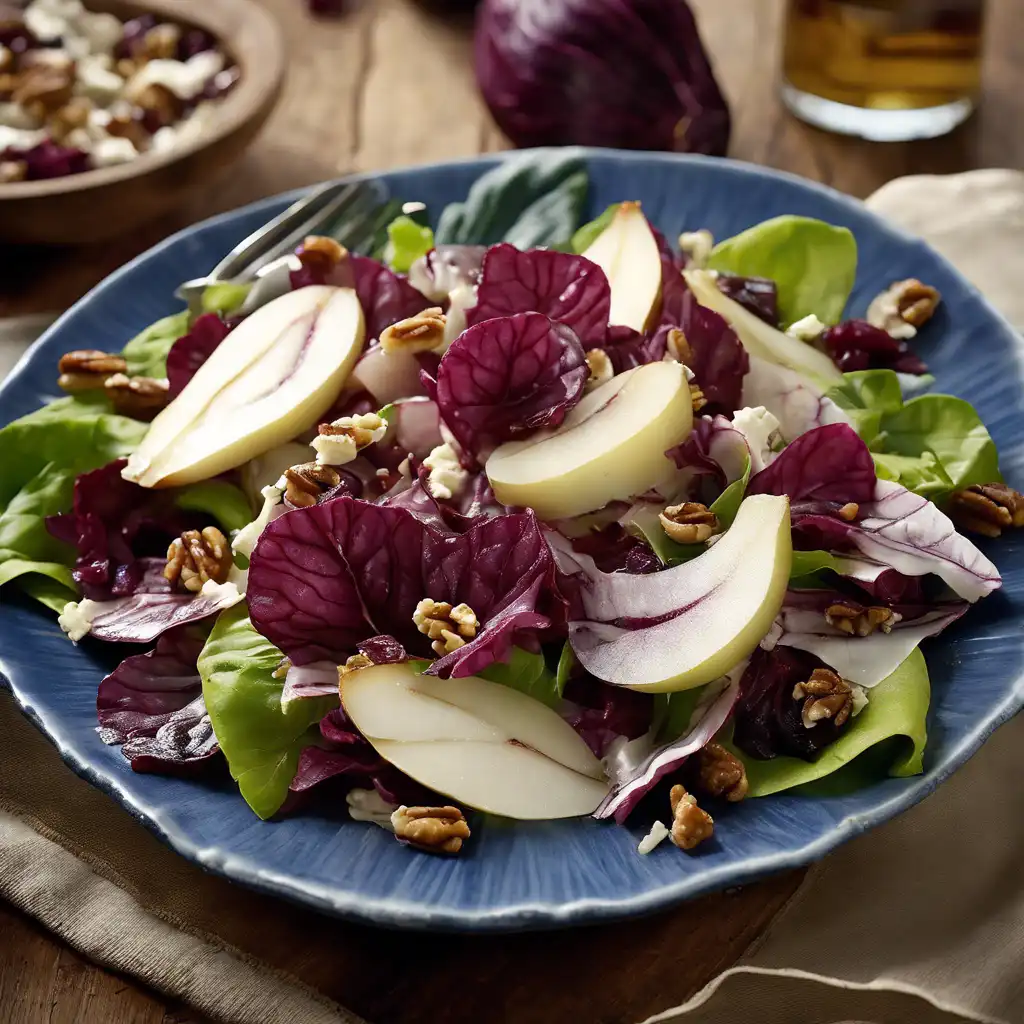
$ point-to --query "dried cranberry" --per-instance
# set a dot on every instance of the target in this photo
(858, 345)
(49, 160)
(332, 8)
(758, 295)
(194, 41)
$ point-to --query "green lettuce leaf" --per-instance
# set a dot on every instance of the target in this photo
(224, 298)
(867, 396)
(528, 673)
(407, 242)
(814, 264)
(146, 353)
(923, 474)
(260, 740)
(529, 200)
(897, 707)
(225, 502)
(585, 237)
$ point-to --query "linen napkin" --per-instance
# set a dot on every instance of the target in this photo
(919, 921)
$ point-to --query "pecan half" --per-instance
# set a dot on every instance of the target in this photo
(449, 628)
(432, 829)
(690, 824)
(600, 366)
(423, 332)
(326, 251)
(720, 773)
(689, 523)
(987, 509)
(141, 398)
(903, 307)
(87, 369)
(857, 620)
(306, 482)
(825, 695)
(198, 556)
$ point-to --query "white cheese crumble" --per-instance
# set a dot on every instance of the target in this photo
(697, 245)
(338, 449)
(14, 115)
(113, 150)
(658, 834)
(224, 593)
(369, 805)
(186, 79)
(76, 619)
(806, 329)
(96, 79)
(761, 430)
(20, 138)
(244, 541)
(859, 698)
(461, 299)
(447, 477)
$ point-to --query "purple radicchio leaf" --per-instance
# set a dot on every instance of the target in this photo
(601, 713)
(115, 525)
(564, 287)
(712, 457)
(767, 719)
(858, 345)
(320, 678)
(615, 550)
(191, 350)
(323, 579)
(883, 584)
(447, 267)
(827, 464)
(758, 295)
(184, 745)
(506, 377)
(627, 348)
(865, 660)
(903, 531)
(630, 789)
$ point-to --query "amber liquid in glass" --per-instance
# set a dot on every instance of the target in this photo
(917, 59)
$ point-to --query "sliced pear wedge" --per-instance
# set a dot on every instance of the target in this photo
(761, 339)
(628, 254)
(269, 380)
(707, 615)
(482, 744)
(611, 446)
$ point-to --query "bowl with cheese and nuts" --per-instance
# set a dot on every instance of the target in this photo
(112, 113)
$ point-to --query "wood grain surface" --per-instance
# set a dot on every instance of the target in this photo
(386, 85)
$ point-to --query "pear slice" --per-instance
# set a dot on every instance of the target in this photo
(269, 380)
(761, 339)
(706, 615)
(611, 446)
(628, 254)
(482, 744)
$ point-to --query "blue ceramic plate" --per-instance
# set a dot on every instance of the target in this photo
(569, 872)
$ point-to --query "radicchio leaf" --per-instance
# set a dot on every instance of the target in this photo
(601, 713)
(758, 295)
(564, 287)
(191, 350)
(184, 745)
(506, 377)
(828, 463)
(445, 268)
(714, 455)
(615, 550)
(627, 348)
(323, 579)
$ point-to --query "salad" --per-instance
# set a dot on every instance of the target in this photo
(516, 517)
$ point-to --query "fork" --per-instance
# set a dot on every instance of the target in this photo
(355, 213)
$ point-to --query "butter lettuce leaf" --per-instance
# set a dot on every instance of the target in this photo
(146, 353)
(528, 673)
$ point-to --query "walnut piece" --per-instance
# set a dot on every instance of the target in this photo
(689, 523)
(72, 115)
(697, 397)
(600, 366)
(432, 829)
(338, 443)
(329, 251)
(849, 512)
(160, 101)
(198, 556)
(161, 42)
(678, 347)
(449, 628)
(825, 695)
(140, 398)
(720, 773)
(306, 482)
(690, 824)
(44, 88)
(903, 307)
(987, 509)
(423, 332)
(87, 369)
(857, 620)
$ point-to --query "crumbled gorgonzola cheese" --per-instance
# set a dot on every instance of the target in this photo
(806, 329)
(658, 834)
(447, 477)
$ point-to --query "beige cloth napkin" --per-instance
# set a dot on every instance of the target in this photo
(919, 922)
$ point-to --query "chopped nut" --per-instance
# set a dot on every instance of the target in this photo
(353, 664)
(126, 67)
(903, 307)
(338, 443)
(690, 824)
(124, 126)
(88, 369)
(6, 59)
(12, 170)
(987, 509)
(332, 251)
(432, 829)
(161, 42)
(196, 557)
(857, 620)
(44, 88)
(849, 511)
(678, 347)
(72, 115)
(423, 332)
(141, 398)
(307, 482)
(720, 773)
(689, 523)
(161, 102)
(449, 628)
(600, 366)
(697, 397)
(825, 695)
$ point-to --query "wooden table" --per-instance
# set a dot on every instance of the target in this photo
(390, 84)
